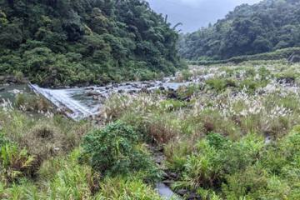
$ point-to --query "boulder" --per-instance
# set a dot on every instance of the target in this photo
(161, 88)
(92, 93)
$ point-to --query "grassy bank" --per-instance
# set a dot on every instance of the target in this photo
(49, 157)
(234, 134)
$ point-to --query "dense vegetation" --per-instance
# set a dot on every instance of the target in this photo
(267, 26)
(59, 42)
(41, 158)
(233, 135)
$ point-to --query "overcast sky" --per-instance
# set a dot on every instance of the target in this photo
(195, 13)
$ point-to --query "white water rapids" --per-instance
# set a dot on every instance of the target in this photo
(80, 103)
(65, 99)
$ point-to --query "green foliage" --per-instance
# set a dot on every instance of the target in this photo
(57, 43)
(121, 188)
(114, 150)
(220, 84)
(73, 181)
(14, 163)
(217, 157)
(250, 29)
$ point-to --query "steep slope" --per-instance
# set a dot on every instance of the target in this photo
(263, 27)
(64, 42)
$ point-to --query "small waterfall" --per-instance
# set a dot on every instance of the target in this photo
(65, 101)
(77, 104)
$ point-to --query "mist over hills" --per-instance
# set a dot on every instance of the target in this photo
(194, 14)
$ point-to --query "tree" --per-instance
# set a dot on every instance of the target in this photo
(262, 27)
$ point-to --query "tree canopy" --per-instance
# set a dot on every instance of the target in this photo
(249, 29)
(64, 42)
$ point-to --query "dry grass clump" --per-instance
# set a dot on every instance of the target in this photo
(44, 141)
(33, 103)
(161, 131)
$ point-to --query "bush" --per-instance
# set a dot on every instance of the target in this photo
(250, 184)
(121, 188)
(15, 163)
(114, 150)
(217, 157)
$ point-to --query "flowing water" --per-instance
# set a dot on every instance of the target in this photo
(165, 192)
(80, 103)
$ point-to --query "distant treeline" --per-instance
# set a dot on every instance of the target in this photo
(64, 42)
(289, 54)
(250, 29)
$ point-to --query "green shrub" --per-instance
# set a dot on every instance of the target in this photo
(114, 150)
(220, 84)
(250, 183)
(217, 157)
(15, 163)
(3, 140)
(217, 84)
(72, 180)
(130, 188)
(186, 92)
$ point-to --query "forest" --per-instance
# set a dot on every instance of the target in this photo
(250, 29)
(81, 42)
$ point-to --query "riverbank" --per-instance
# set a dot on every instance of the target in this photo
(225, 132)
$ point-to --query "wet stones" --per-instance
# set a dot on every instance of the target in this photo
(8, 79)
(132, 92)
(172, 94)
(121, 91)
(286, 80)
(2, 79)
(161, 88)
(92, 93)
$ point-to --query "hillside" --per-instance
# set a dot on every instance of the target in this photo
(250, 29)
(59, 42)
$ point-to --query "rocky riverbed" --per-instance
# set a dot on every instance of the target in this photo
(83, 102)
